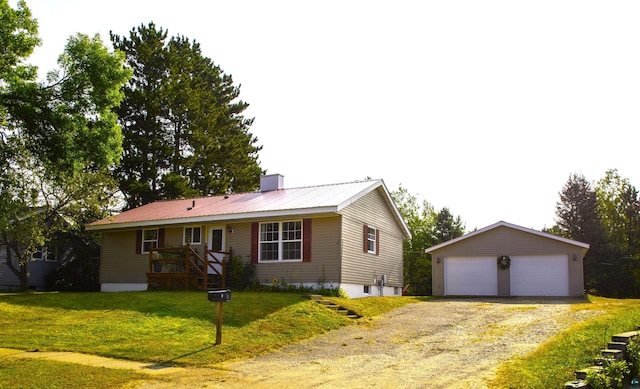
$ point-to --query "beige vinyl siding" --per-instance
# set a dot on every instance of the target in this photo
(173, 237)
(359, 267)
(239, 241)
(119, 262)
(325, 256)
(508, 241)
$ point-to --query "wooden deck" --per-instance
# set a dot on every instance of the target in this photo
(184, 268)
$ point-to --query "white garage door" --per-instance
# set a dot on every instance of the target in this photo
(470, 276)
(546, 275)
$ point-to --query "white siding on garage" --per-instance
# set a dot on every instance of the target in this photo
(471, 276)
(539, 275)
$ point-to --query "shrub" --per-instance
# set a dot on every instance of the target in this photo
(633, 355)
(239, 274)
(611, 376)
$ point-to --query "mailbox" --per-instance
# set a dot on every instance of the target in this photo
(220, 295)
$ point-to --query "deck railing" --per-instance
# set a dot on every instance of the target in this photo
(184, 267)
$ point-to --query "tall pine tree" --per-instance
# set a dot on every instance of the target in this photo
(183, 124)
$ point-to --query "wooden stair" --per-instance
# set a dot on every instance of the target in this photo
(331, 305)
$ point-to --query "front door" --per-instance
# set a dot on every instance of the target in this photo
(216, 243)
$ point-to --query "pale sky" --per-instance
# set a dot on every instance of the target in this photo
(484, 107)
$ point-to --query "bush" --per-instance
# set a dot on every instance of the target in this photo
(239, 274)
(79, 268)
(633, 355)
(611, 376)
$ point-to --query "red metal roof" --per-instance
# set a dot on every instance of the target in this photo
(280, 202)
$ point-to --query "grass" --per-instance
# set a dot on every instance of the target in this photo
(555, 362)
(160, 327)
(176, 328)
(36, 374)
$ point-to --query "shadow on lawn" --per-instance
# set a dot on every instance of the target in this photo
(170, 362)
(243, 308)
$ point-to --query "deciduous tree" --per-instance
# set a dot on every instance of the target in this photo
(428, 228)
(58, 138)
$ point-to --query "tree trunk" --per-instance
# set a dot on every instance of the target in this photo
(21, 271)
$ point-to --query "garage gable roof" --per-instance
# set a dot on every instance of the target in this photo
(508, 225)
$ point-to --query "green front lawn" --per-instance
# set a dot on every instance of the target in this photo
(178, 328)
(166, 327)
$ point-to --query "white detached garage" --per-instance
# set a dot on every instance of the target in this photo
(504, 259)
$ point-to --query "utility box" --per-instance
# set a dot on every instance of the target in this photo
(219, 296)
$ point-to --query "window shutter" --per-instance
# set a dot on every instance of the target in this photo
(306, 240)
(160, 237)
(366, 238)
(138, 241)
(255, 230)
(377, 241)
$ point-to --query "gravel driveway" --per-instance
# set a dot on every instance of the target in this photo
(436, 344)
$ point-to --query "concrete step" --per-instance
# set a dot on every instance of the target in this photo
(582, 373)
(576, 384)
(618, 346)
(625, 337)
(331, 305)
(314, 297)
(616, 355)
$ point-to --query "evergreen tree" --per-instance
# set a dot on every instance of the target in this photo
(184, 129)
(447, 226)
(577, 218)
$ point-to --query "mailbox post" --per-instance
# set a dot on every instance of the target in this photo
(219, 296)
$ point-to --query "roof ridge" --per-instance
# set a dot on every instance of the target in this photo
(258, 191)
(330, 184)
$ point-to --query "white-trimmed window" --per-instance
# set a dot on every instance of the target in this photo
(192, 235)
(149, 239)
(280, 241)
(45, 254)
(372, 237)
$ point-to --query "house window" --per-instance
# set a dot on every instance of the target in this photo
(280, 241)
(367, 289)
(45, 254)
(149, 239)
(192, 235)
(371, 240)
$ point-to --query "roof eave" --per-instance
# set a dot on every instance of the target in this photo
(375, 185)
(212, 218)
(514, 226)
